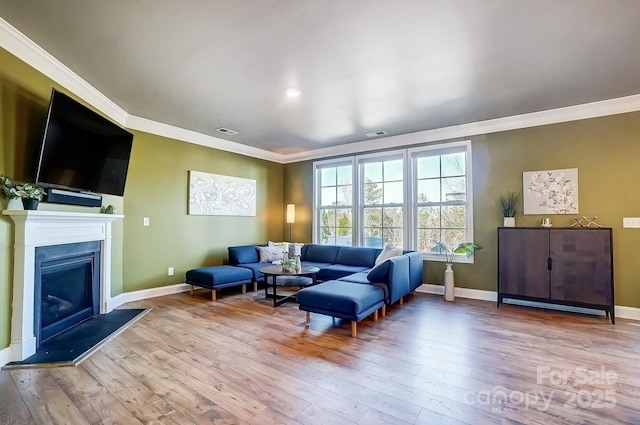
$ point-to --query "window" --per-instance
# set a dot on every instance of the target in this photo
(382, 200)
(412, 198)
(334, 203)
(441, 198)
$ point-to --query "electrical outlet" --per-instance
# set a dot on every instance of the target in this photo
(145, 221)
(170, 271)
(632, 222)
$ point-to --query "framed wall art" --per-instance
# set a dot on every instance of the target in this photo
(215, 194)
(550, 191)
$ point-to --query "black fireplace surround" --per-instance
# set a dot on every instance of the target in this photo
(67, 287)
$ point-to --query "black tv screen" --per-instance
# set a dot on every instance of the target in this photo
(81, 150)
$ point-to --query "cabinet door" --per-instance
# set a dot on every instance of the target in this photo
(582, 265)
(522, 262)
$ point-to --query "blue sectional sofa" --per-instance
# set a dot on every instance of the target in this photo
(400, 276)
(352, 286)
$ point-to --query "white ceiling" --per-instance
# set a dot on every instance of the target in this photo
(362, 65)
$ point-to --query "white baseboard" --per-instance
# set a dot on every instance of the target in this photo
(622, 312)
(474, 294)
(143, 294)
(5, 356)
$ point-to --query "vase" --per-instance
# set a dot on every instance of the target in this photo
(298, 264)
(30, 204)
(15, 204)
(509, 222)
(449, 286)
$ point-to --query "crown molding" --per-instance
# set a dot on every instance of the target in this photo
(601, 108)
(166, 130)
(25, 49)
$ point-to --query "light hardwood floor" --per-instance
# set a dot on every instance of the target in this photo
(240, 361)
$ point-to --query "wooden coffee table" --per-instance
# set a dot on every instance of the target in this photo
(275, 271)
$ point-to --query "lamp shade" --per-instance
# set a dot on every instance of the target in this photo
(291, 213)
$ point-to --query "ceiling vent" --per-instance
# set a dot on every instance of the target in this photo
(376, 134)
(226, 131)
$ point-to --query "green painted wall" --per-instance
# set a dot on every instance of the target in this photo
(605, 151)
(299, 191)
(157, 187)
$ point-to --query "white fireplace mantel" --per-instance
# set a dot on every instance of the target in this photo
(45, 228)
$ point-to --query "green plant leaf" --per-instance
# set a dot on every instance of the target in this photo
(509, 203)
(466, 248)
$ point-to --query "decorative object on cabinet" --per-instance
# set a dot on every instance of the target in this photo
(466, 248)
(550, 191)
(565, 266)
(585, 222)
(508, 204)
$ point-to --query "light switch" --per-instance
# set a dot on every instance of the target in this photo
(145, 221)
(631, 222)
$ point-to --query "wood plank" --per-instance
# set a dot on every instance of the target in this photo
(145, 405)
(376, 417)
(102, 407)
(46, 401)
(315, 415)
(13, 409)
(272, 417)
(185, 400)
(208, 385)
(256, 386)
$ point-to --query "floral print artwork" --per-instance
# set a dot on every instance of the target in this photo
(550, 191)
(214, 194)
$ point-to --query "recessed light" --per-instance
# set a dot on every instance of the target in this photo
(293, 92)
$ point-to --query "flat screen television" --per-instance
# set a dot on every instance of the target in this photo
(81, 150)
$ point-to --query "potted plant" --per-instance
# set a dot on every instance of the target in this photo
(288, 265)
(508, 203)
(30, 193)
(466, 248)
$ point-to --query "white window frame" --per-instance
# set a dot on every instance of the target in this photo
(331, 163)
(377, 157)
(442, 149)
(408, 156)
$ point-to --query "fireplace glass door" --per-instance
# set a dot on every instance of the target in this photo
(67, 288)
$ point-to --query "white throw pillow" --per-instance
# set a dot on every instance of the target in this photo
(388, 252)
(280, 246)
(269, 254)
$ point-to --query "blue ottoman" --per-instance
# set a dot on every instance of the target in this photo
(345, 300)
(218, 277)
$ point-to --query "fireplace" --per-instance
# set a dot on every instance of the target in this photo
(67, 287)
(69, 230)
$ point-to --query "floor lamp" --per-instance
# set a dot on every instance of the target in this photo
(291, 217)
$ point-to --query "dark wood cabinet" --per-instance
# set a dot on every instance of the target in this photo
(567, 266)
